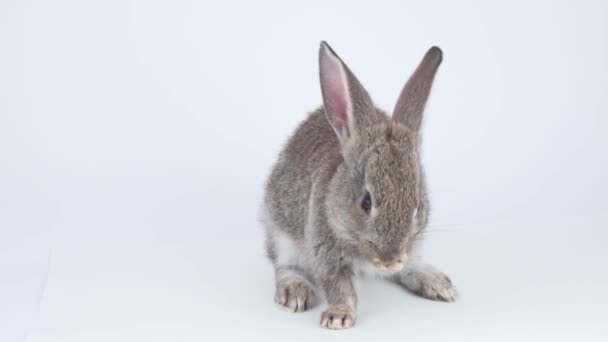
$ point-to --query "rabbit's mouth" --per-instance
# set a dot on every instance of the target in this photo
(392, 266)
(368, 268)
(382, 262)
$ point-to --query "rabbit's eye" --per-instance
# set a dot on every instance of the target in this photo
(366, 203)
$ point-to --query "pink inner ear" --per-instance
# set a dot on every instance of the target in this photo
(337, 93)
(336, 88)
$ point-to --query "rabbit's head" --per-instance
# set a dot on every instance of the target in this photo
(377, 200)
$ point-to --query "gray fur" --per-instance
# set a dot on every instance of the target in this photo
(316, 231)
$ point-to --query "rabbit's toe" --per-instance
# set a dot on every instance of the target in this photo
(294, 295)
(437, 286)
(338, 317)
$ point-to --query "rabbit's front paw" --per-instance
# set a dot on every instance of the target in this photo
(294, 295)
(437, 286)
(338, 317)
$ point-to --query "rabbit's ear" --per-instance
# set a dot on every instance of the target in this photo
(347, 104)
(410, 104)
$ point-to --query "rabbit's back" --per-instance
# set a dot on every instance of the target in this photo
(310, 156)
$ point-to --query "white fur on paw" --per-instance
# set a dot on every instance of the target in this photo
(338, 317)
(294, 296)
(437, 286)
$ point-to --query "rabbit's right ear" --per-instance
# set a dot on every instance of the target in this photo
(347, 104)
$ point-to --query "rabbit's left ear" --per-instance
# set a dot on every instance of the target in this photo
(411, 102)
(348, 107)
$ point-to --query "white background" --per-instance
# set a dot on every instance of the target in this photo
(135, 138)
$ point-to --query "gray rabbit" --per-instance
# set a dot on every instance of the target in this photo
(347, 196)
